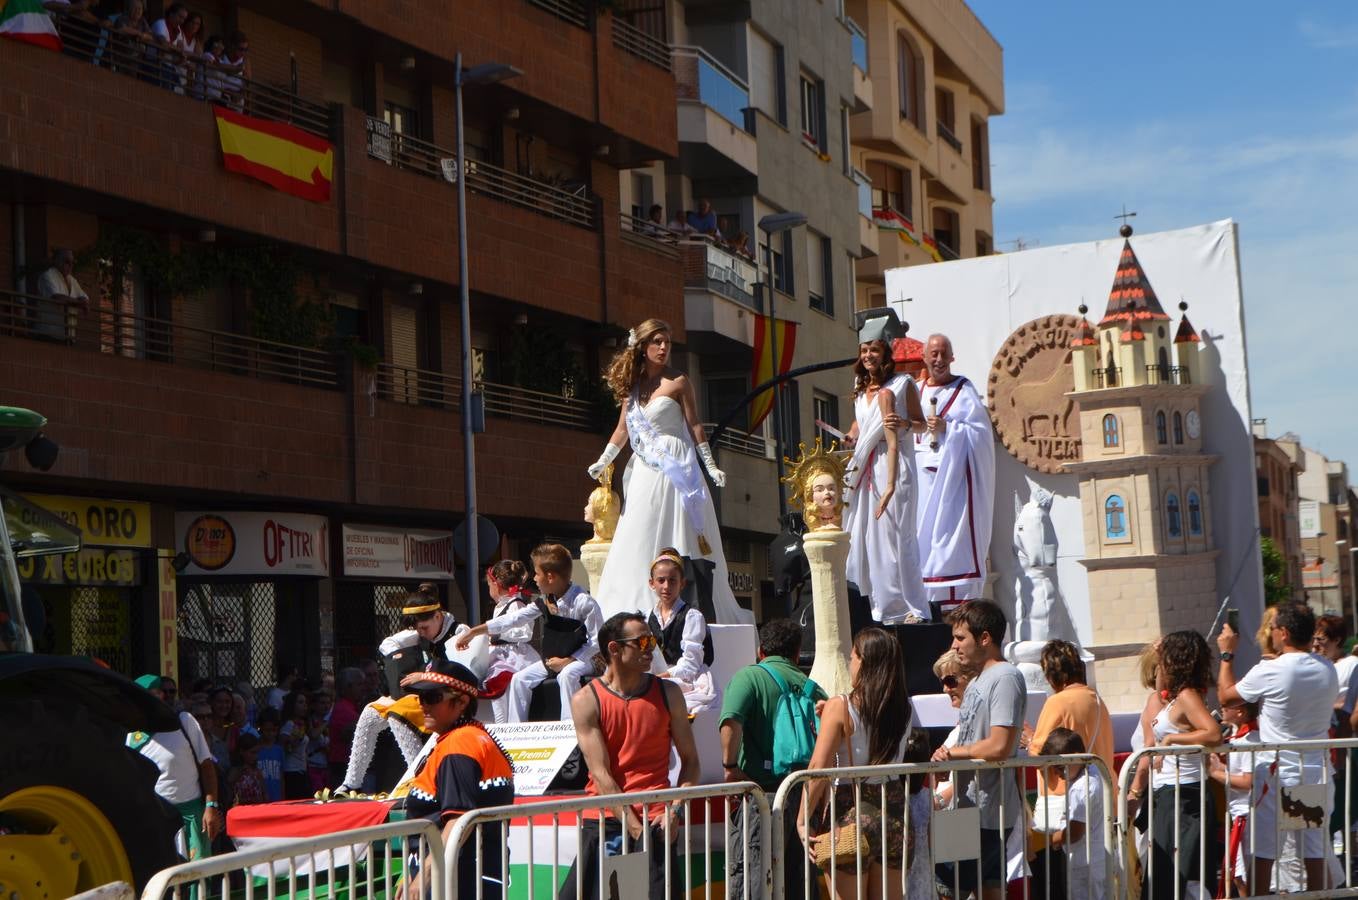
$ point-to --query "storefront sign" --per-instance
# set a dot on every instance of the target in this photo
(377, 552)
(108, 523)
(254, 543)
(740, 577)
(92, 566)
(538, 749)
(167, 634)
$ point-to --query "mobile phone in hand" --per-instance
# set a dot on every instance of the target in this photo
(1233, 619)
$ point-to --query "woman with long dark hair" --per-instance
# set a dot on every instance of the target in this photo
(868, 726)
(666, 502)
(1183, 676)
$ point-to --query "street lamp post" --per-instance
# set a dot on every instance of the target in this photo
(776, 223)
(486, 73)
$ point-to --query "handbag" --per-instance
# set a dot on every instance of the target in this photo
(561, 635)
(843, 844)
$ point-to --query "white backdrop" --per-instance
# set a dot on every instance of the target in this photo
(979, 302)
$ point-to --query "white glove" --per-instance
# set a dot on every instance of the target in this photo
(710, 464)
(610, 453)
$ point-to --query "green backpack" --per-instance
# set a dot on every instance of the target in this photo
(794, 725)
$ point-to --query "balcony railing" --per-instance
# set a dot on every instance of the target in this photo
(717, 269)
(699, 76)
(1158, 374)
(650, 234)
(1107, 376)
(859, 42)
(571, 11)
(568, 201)
(864, 183)
(189, 76)
(948, 137)
(945, 250)
(117, 333)
(742, 441)
(421, 387)
(632, 39)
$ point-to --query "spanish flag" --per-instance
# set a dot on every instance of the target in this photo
(765, 328)
(282, 156)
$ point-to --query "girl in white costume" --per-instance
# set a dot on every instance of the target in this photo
(684, 645)
(510, 628)
(883, 552)
(665, 499)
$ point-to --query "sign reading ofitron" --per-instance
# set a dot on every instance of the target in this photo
(254, 543)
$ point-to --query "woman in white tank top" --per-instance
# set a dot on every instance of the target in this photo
(1184, 676)
(869, 726)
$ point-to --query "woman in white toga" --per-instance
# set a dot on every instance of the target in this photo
(665, 499)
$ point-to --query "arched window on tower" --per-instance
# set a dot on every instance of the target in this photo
(1114, 518)
(1178, 428)
(1161, 432)
(1111, 437)
(1194, 514)
(1164, 366)
(1174, 523)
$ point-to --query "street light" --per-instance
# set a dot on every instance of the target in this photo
(776, 223)
(486, 73)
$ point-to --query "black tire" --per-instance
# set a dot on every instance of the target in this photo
(64, 747)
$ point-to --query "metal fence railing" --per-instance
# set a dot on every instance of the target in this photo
(422, 387)
(572, 11)
(712, 266)
(568, 200)
(106, 330)
(640, 44)
(903, 804)
(1158, 374)
(1286, 799)
(698, 75)
(743, 441)
(189, 75)
(394, 859)
(552, 834)
(651, 234)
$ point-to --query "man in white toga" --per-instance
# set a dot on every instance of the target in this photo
(956, 480)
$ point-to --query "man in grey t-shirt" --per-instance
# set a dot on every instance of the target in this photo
(990, 721)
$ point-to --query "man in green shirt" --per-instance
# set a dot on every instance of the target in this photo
(747, 724)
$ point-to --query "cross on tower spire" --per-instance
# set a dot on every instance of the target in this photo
(1125, 230)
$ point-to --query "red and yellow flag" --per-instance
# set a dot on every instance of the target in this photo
(282, 156)
(765, 328)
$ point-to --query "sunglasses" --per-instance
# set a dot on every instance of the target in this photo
(951, 681)
(644, 642)
(432, 696)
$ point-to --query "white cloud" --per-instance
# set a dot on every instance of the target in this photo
(1328, 37)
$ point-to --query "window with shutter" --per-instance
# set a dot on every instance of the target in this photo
(404, 355)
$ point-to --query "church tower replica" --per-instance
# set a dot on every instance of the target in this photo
(1144, 489)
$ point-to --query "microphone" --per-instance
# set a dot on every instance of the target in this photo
(933, 405)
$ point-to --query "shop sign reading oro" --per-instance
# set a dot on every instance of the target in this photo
(1027, 394)
(107, 523)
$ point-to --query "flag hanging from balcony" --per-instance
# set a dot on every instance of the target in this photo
(765, 330)
(28, 21)
(282, 156)
(890, 220)
(932, 246)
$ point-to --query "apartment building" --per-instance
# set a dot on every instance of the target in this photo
(934, 77)
(1325, 517)
(263, 393)
(1278, 462)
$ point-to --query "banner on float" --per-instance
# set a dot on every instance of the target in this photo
(254, 543)
(538, 749)
(374, 551)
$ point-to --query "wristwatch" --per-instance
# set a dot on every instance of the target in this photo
(1227, 656)
(211, 804)
(727, 765)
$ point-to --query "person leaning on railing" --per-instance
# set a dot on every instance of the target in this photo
(63, 299)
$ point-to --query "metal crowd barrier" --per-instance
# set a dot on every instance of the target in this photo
(362, 863)
(1295, 810)
(695, 836)
(954, 833)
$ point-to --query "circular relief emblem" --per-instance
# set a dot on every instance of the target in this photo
(210, 542)
(1029, 380)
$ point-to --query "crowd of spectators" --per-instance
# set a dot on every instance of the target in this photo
(173, 51)
(699, 224)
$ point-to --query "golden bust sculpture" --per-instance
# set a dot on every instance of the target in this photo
(603, 509)
(817, 482)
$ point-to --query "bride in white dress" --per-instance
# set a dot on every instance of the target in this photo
(665, 499)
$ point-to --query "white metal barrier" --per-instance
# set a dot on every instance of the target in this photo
(367, 862)
(687, 824)
(1293, 798)
(954, 832)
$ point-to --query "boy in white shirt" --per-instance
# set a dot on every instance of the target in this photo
(1082, 838)
(1236, 774)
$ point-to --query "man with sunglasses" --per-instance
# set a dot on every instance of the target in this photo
(627, 722)
(466, 769)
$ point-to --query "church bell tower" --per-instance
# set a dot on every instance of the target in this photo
(1149, 548)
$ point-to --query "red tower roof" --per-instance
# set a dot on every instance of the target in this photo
(1186, 334)
(1085, 337)
(908, 354)
(1132, 299)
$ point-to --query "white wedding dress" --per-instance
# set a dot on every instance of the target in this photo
(653, 517)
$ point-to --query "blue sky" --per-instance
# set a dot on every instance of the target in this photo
(1190, 113)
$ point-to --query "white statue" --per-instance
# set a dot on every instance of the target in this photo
(1037, 598)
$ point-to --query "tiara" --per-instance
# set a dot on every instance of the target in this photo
(631, 338)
